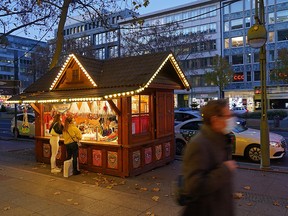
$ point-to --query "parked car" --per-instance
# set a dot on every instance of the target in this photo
(247, 142)
(239, 110)
(182, 115)
(24, 127)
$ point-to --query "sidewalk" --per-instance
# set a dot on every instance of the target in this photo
(28, 188)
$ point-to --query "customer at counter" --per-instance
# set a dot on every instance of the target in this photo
(71, 135)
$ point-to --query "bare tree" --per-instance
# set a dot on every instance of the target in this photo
(220, 74)
(139, 39)
(47, 14)
(280, 72)
(39, 62)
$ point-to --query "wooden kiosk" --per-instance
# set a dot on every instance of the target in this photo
(123, 106)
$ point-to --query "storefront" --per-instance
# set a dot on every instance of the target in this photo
(124, 108)
(241, 99)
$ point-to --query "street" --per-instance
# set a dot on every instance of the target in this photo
(5, 125)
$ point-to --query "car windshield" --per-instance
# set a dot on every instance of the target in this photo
(239, 128)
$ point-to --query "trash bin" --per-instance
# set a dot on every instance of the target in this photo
(276, 121)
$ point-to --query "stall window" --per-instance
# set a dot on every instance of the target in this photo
(140, 114)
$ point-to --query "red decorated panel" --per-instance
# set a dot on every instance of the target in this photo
(167, 149)
(83, 155)
(136, 157)
(148, 155)
(97, 157)
(46, 150)
(112, 160)
(158, 152)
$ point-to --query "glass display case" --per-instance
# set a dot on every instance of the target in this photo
(96, 120)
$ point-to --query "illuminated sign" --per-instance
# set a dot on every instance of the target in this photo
(238, 77)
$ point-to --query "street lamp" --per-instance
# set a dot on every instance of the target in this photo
(257, 37)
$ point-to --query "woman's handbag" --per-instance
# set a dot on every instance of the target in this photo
(77, 140)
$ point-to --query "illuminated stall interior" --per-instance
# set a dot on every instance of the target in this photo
(124, 108)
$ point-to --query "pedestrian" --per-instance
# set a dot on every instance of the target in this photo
(71, 135)
(207, 164)
(55, 131)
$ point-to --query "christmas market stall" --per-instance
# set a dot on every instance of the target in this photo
(123, 106)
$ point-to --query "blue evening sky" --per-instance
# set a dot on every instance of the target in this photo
(156, 5)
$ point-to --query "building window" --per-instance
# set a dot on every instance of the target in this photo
(237, 59)
(256, 75)
(247, 4)
(282, 16)
(248, 58)
(256, 57)
(271, 36)
(248, 76)
(236, 24)
(140, 114)
(237, 41)
(226, 43)
(271, 18)
(247, 22)
(100, 53)
(236, 7)
(283, 35)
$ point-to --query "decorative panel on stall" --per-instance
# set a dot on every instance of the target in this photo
(158, 152)
(148, 155)
(83, 155)
(136, 157)
(46, 150)
(167, 149)
(97, 157)
(112, 160)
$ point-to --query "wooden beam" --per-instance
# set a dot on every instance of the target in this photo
(35, 108)
(114, 107)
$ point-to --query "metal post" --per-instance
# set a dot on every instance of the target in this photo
(264, 133)
(16, 91)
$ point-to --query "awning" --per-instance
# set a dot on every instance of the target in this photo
(73, 95)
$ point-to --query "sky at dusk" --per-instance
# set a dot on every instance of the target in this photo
(155, 5)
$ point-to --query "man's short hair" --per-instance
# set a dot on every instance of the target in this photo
(213, 108)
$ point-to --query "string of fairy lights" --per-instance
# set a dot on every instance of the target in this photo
(105, 97)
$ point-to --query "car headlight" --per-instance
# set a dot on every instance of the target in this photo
(275, 144)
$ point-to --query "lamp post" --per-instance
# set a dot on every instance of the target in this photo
(257, 36)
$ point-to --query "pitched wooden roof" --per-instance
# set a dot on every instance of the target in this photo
(103, 79)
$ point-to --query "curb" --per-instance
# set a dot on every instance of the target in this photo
(272, 169)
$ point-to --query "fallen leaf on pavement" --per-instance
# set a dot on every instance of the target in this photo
(156, 189)
(6, 208)
(69, 200)
(57, 193)
(247, 188)
(238, 195)
(276, 203)
(144, 189)
(249, 204)
(155, 198)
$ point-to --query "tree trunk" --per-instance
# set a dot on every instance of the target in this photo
(60, 36)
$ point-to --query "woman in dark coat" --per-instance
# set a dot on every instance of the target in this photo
(207, 164)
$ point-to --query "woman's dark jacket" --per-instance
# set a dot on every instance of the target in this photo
(206, 177)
